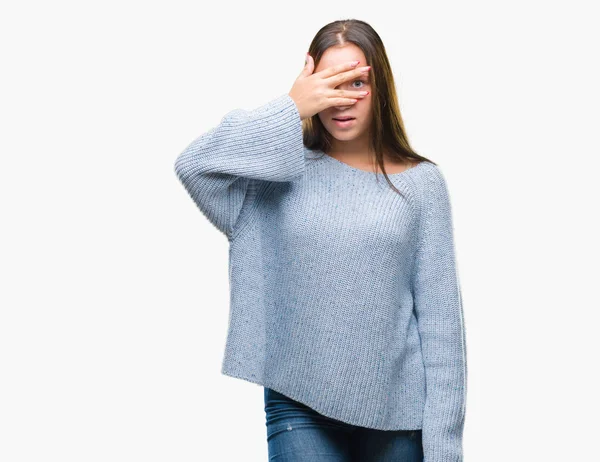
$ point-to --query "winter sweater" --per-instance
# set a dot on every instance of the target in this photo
(344, 294)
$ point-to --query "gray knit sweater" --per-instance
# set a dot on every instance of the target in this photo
(345, 295)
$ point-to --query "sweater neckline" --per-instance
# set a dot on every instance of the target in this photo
(361, 171)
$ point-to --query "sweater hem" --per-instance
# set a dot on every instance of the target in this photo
(272, 386)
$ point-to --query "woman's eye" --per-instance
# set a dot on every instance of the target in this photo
(361, 81)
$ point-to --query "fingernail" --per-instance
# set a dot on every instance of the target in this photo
(355, 63)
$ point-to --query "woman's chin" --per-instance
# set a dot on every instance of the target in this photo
(343, 135)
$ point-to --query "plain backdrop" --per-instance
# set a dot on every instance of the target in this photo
(114, 297)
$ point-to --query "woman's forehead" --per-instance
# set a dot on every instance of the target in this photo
(336, 55)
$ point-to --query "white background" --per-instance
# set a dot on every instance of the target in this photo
(114, 298)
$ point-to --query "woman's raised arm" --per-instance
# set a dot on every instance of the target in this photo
(265, 143)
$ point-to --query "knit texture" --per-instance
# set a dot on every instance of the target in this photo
(345, 295)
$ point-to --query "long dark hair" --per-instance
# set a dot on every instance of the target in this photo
(387, 126)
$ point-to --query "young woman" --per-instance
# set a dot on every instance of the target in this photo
(345, 299)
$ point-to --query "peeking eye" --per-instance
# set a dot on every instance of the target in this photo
(361, 81)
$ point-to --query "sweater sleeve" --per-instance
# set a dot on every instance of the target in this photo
(440, 321)
(265, 143)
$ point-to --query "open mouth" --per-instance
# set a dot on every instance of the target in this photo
(343, 122)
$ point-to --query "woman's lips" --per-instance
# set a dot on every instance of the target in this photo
(343, 123)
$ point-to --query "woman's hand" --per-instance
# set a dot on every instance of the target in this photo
(313, 93)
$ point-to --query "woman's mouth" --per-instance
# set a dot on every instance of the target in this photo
(343, 122)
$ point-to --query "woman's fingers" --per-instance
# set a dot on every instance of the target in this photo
(342, 77)
(346, 94)
(309, 66)
(341, 101)
(315, 92)
(333, 70)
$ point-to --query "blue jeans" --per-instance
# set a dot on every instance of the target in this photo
(297, 433)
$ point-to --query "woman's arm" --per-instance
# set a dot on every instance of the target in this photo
(439, 311)
(265, 143)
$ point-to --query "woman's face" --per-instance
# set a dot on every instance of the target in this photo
(358, 128)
